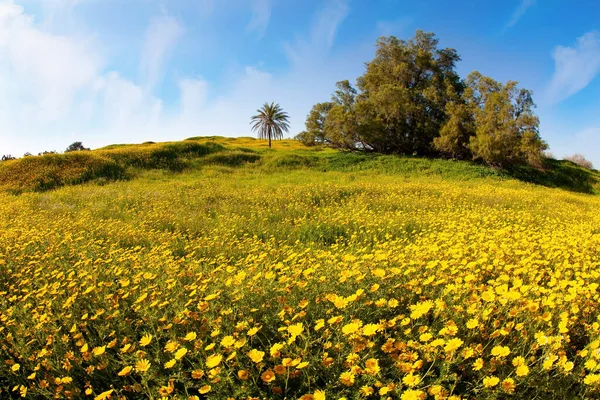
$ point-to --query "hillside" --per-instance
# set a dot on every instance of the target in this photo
(218, 268)
(125, 162)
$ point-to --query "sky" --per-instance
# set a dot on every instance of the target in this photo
(128, 71)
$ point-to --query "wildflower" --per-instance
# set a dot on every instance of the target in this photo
(145, 340)
(522, 370)
(190, 336)
(452, 345)
(142, 365)
(347, 378)
(256, 355)
(180, 353)
(213, 360)
(125, 371)
(268, 376)
(490, 381)
(508, 385)
(204, 389)
(500, 351)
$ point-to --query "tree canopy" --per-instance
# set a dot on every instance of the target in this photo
(411, 100)
(270, 122)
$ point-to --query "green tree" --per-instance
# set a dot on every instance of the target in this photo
(506, 128)
(459, 127)
(270, 122)
(75, 146)
(315, 124)
(340, 128)
(407, 86)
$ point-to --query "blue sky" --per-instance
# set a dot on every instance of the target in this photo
(126, 71)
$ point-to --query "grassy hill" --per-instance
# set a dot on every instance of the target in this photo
(219, 268)
(123, 162)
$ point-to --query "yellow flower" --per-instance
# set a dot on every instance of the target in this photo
(518, 361)
(104, 395)
(145, 340)
(478, 364)
(490, 381)
(411, 380)
(319, 395)
(98, 351)
(243, 375)
(347, 378)
(500, 351)
(197, 374)
(592, 379)
(370, 329)
(213, 360)
(180, 353)
(508, 385)
(125, 371)
(453, 344)
(204, 389)
(142, 365)
(350, 328)
(227, 341)
(268, 376)
(276, 349)
(190, 336)
(15, 367)
(411, 394)
(252, 331)
(522, 370)
(256, 355)
(472, 323)
(295, 329)
(568, 366)
(169, 364)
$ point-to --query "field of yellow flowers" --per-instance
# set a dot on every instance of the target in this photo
(233, 283)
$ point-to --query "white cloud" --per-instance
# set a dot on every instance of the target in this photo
(161, 35)
(519, 12)
(574, 67)
(44, 71)
(261, 14)
(101, 107)
(322, 33)
(193, 96)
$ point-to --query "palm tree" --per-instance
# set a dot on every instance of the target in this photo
(271, 121)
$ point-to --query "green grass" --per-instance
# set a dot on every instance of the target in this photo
(128, 161)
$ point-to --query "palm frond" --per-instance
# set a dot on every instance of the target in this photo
(270, 122)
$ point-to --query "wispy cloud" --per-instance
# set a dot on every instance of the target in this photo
(322, 32)
(261, 14)
(161, 35)
(574, 67)
(519, 12)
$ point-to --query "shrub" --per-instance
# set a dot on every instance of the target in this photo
(580, 160)
(76, 146)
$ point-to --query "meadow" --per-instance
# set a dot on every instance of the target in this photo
(230, 270)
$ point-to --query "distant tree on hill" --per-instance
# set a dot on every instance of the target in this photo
(494, 122)
(270, 122)
(46, 152)
(76, 146)
(8, 157)
(580, 160)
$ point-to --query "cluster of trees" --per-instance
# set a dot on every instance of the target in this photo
(411, 100)
(75, 146)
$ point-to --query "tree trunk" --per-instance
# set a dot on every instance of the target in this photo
(269, 141)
